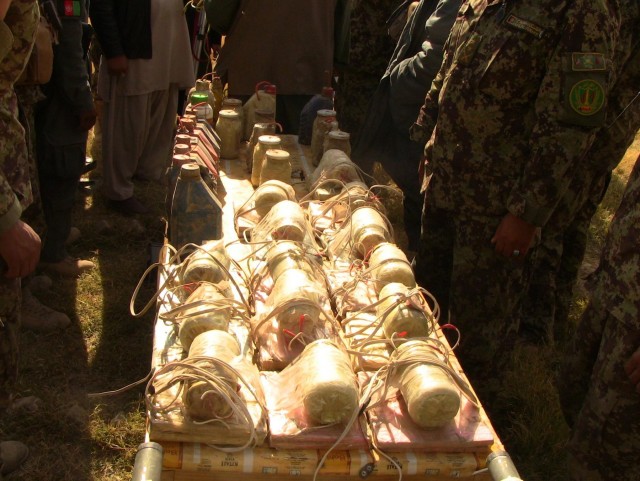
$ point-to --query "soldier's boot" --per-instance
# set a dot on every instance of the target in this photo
(68, 267)
(40, 318)
(12, 455)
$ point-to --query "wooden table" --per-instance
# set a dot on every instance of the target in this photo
(193, 461)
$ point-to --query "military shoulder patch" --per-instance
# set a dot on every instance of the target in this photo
(588, 62)
(72, 8)
(587, 97)
(524, 25)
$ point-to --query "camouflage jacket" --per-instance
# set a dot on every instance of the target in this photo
(519, 96)
(17, 31)
(619, 273)
(622, 123)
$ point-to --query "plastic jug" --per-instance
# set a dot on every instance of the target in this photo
(196, 212)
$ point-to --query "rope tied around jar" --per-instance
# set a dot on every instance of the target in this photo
(188, 371)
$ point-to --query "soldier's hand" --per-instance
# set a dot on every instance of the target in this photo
(513, 237)
(20, 249)
(632, 368)
(118, 66)
(86, 120)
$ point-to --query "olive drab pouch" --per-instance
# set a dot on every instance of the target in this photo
(584, 89)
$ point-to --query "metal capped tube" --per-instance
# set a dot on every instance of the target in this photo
(501, 467)
(148, 463)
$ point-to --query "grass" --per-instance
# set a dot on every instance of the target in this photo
(78, 437)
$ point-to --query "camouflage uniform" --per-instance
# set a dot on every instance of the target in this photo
(605, 444)
(361, 74)
(556, 261)
(396, 103)
(28, 98)
(513, 122)
(17, 34)
(61, 143)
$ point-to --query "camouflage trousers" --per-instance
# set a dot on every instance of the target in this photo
(554, 267)
(10, 301)
(596, 393)
(477, 289)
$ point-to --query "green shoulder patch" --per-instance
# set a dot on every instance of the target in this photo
(587, 97)
(587, 62)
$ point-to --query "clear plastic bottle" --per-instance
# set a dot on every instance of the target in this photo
(202, 107)
(229, 128)
(265, 142)
(196, 212)
(321, 125)
(276, 166)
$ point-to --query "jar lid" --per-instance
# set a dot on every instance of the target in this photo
(183, 139)
(231, 101)
(181, 149)
(201, 96)
(278, 154)
(181, 159)
(190, 171)
(229, 114)
(338, 135)
(269, 139)
(188, 123)
(326, 113)
(264, 112)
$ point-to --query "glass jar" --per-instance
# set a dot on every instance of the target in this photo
(259, 130)
(276, 166)
(235, 105)
(338, 140)
(266, 116)
(229, 129)
(321, 125)
(265, 142)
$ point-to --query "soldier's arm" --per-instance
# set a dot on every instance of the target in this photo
(570, 109)
(411, 79)
(70, 75)
(19, 244)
